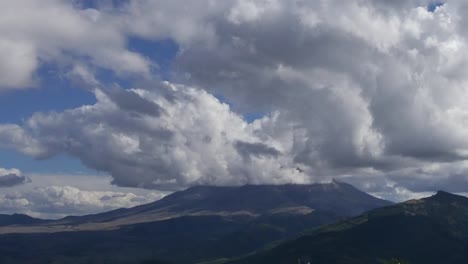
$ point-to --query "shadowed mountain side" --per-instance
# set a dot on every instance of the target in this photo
(429, 230)
(185, 239)
(19, 219)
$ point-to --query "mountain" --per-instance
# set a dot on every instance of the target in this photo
(249, 201)
(429, 230)
(18, 219)
(198, 224)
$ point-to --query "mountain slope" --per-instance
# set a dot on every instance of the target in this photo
(429, 230)
(261, 199)
(198, 224)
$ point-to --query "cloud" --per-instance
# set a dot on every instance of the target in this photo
(10, 180)
(132, 102)
(366, 85)
(166, 137)
(4, 172)
(356, 90)
(19, 140)
(370, 91)
(19, 61)
(60, 201)
(12, 177)
(57, 195)
(54, 31)
(247, 149)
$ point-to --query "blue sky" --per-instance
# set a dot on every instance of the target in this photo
(432, 6)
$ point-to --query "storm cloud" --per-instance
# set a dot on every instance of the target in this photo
(12, 177)
(10, 180)
(255, 149)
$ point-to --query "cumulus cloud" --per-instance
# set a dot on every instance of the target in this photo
(171, 136)
(19, 140)
(368, 85)
(60, 201)
(12, 177)
(4, 172)
(33, 33)
(59, 195)
(370, 91)
(353, 78)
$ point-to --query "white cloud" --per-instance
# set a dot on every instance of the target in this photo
(357, 86)
(4, 171)
(19, 140)
(249, 11)
(60, 201)
(19, 61)
(53, 31)
(168, 137)
(51, 196)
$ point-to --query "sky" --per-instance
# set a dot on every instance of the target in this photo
(107, 104)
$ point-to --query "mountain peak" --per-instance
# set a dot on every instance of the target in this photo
(445, 199)
(335, 181)
(337, 184)
(443, 193)
(444, 196)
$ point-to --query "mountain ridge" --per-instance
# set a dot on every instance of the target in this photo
(428, 230)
